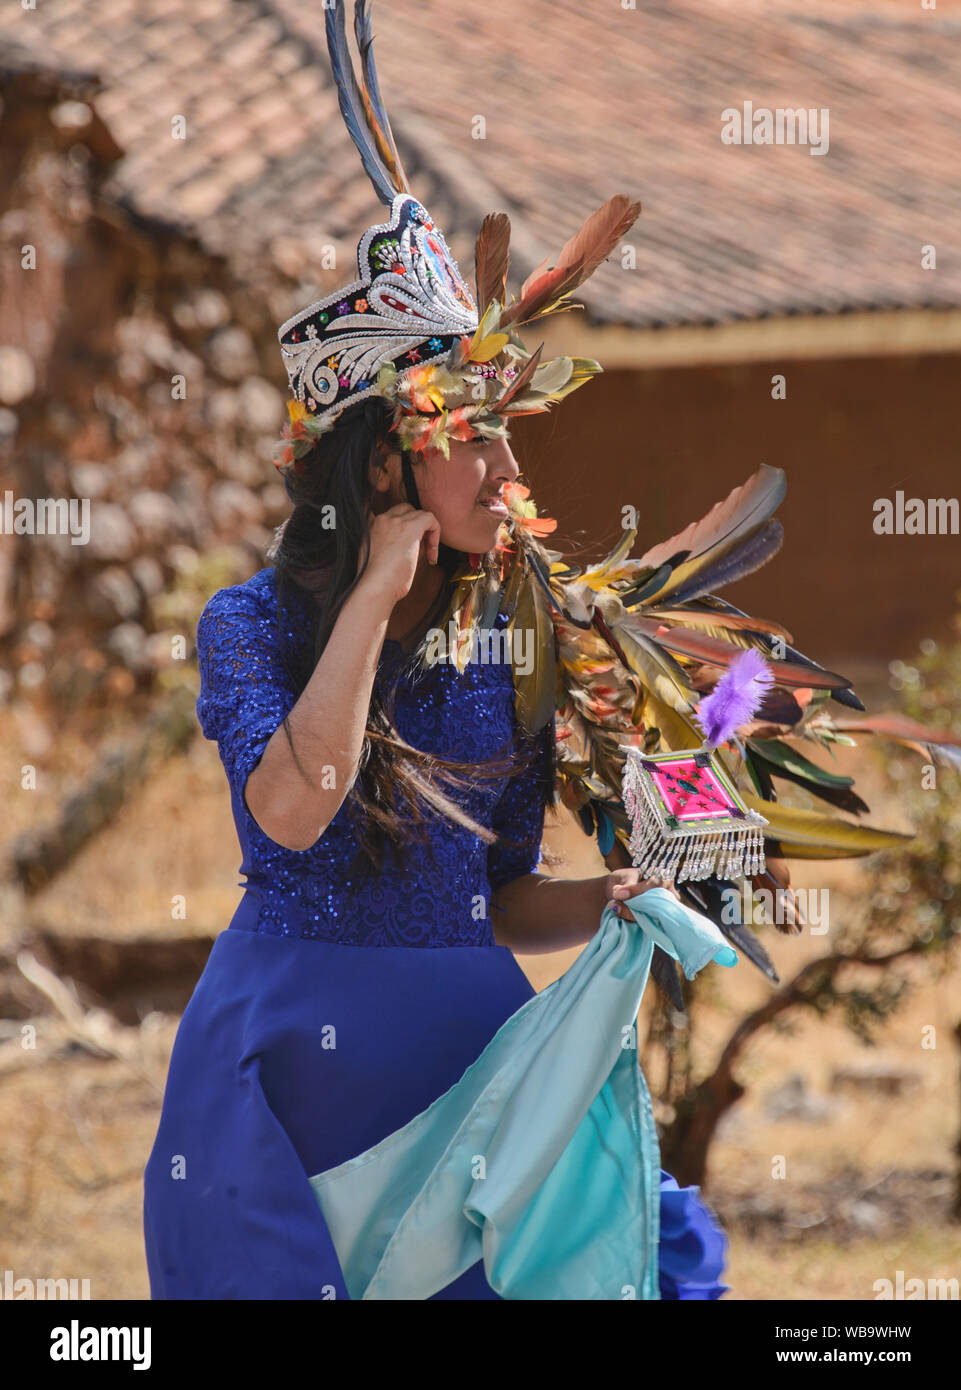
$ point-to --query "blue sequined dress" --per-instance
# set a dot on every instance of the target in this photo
(335, 1008)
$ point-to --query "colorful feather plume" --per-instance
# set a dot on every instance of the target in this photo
(628, 651)
(634, 663)
(461, 370)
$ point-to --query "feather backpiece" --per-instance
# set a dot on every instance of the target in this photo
(636, 672)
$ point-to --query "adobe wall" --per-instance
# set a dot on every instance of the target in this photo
(674, 441)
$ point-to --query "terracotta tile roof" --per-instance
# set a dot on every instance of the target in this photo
(580, 101)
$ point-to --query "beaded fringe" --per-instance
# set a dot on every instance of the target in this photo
(688, 853)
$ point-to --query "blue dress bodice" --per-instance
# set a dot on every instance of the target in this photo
(435, 895)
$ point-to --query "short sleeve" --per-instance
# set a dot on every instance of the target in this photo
(519, 815)
(245, 690)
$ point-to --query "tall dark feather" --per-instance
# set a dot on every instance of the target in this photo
(374, 108)
(711, 896)
(352, 104)
(664, 975)
(749, 556)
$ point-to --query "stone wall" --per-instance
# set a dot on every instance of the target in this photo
(137, 376)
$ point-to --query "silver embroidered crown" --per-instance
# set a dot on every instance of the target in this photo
(408, 306)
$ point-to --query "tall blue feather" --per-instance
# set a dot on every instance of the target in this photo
(365, 45)
(351, 106)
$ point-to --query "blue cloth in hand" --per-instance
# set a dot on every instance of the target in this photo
(543, 1159)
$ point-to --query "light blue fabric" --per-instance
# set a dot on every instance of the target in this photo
(543, 1158)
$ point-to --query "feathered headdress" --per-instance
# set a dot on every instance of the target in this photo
(645, 675)
(408, 327)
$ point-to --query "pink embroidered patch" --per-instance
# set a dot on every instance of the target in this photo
(689, 792)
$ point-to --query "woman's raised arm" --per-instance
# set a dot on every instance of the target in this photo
(328, 722)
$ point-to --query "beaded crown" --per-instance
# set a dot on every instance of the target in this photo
(409, 305)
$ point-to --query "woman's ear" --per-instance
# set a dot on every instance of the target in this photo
(379, 470)
(385, 469)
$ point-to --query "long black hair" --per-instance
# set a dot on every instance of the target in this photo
(319, 562)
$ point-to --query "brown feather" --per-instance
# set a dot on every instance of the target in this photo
(706, 620)
(890, 724)
(579, 258)
(535, 274)
(595, 240)
(519, 382)
(691, 643)
(535, 691)
(744, 510)
(492, 258)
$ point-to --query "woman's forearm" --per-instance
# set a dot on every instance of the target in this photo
(534, 914)
(327, 725)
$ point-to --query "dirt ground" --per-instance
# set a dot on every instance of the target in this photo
(867, 1178)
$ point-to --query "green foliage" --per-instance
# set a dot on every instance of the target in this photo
(915, 891)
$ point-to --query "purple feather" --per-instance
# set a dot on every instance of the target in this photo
(735, 698)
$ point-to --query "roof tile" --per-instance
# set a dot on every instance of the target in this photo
(579, 102)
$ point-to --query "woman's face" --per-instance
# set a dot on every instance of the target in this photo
(463, 492)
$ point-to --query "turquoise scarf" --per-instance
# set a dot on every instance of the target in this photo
(543, 1159)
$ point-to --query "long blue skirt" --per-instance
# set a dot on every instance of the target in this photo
(292, 1056)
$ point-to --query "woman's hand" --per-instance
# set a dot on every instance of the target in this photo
(398, 537)
(628, 883)
(538, 913)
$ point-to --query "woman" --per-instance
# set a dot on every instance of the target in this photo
(388, 795)
(390, 819)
